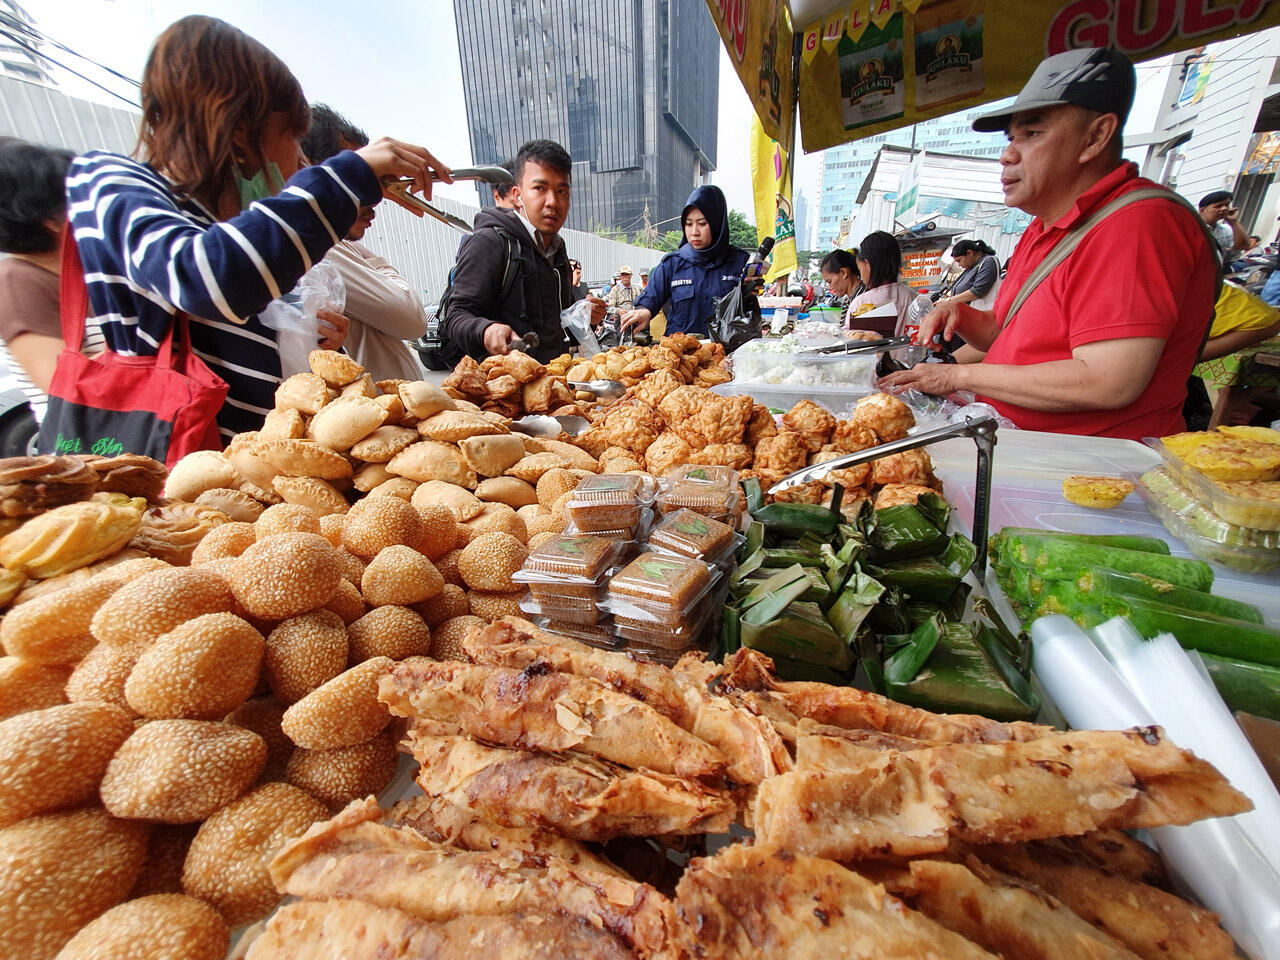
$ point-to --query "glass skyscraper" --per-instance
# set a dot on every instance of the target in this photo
(628, 87)
(845, 167)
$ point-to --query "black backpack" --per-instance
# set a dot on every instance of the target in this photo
(443, 352)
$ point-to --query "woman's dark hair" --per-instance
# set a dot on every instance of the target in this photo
(330, 134)
(32, 190)
(204, 82)
(885, 256)
(838, 260)
(971, 246)
(545, 153)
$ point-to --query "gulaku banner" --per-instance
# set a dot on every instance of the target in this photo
(758, 35)
(771, 184)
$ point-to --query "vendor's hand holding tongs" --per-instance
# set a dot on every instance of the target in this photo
(400, 192)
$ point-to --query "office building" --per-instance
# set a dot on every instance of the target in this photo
(17, 58)
(804, 221)
(844, 168)
(628, 87)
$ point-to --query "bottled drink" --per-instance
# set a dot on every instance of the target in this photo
(918, 310)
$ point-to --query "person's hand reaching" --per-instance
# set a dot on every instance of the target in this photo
(497, 339)
(635, 319)
(394, 159)
(332, 329)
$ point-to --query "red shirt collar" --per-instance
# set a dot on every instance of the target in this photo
(1095, 196)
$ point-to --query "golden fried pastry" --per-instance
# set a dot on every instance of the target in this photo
(1237, 458)
(467, 380)
(393, 408)
(383, 444)
(460, 500)
(593, 440)
(850, 436)
(320, 496)
(578, 458)
(848, 477)
(56, 757)
(341, 713)
(374, 524)
(760, 425)
(655, 387)
(255, 472)
(669, 450)
(337, 777)
(60, 871)
(200, 471)
(1101, 493)
(895, 494)
(181, 771)
(433, 460)
(302, 458)
(345, 422)
(423, 400)
(172, 532)
(530, 468)
(283, 425)
(11, 584)
(153, 928)
(490, 559)
(372, 474)
(504, 410)
(555, 483)
(521, 366)
(201, 670)
(491, 456)
(304, 392)
(912, 466)
(30, 485)
(502, 388)
(286, 518)
(401, 487)
(724, 419)
(129, 474)
(450, 426)
(711, 376)
(72, 536)
(287, 574)
(634, 426)
(887, 416)
(236, 504)
(26, 685)
(782, 454)
(361, 386)
(736, 455)
(395, 632)
(227, 863)
(812, 422)
(336, 368)
(512, 491)
(303, 653)
(812, 492)
(682, 404)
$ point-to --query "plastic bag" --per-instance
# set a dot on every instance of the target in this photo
(577, 321)
(737, 319)
(293, 316)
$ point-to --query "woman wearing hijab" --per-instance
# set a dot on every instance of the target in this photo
(686, 284)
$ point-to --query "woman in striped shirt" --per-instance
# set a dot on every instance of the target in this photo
(219, 219)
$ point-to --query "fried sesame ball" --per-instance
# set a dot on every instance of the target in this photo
(449, 603)
(346, 602)
(554, 484)
(155, 603)
(488, 561)
(102, 674)
(227, 540)
(446, 642)
(352, 567)
(201, 670)
(400, 575)
(490, 606)
(227, 865)
(126, 571)
(331, 527)
(440, 529)
(494, 518)
(181, 771)
(343, 712)
(26, 685)
(448, 567)
(263, 715)
(159, 927)
(166, 852)
(390, 631)
(336, 777)
(54, 628)
(58, 872)
(56, 757)
(378, 522)
(547, 523)
(285, 575)
(305, 652)
(538, 539)
(287, 518)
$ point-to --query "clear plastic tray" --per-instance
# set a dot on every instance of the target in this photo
(784, 362)
(597, 636)
(610, 501)
(627, 536)
(686, 533)
(660, 588)
(570, 559)
(1205, 534)
(720, 476)
(1243, 511)
(574, 610)
(840, 400)
(708, 499)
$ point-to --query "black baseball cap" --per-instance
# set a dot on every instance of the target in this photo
(1102, 80)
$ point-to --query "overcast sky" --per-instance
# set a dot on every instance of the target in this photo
(389, 65)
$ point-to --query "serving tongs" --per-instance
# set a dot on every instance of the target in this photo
(540, 425)
(983, 431)
(855, 347)
(604, 389)
(399, 191)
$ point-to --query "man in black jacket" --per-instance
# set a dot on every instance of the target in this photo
(482, 319)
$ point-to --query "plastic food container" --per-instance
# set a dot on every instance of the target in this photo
(574, 610)
(627, 536)
(569, 566)
(660, 588)
(781, 361)
(1206, 534)
(720, 476)
(597, 636)
(1254, 512)
(610, 501)
(709, 499)
(686, 533)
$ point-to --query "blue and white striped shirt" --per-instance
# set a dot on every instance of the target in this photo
(148, 253)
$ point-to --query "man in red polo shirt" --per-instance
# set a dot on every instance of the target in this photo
(1105, 344)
